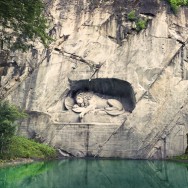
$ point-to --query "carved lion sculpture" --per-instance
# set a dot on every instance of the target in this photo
(88, 101)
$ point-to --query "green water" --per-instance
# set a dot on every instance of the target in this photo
(81, 173)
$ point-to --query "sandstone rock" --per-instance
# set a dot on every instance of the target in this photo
(152, 62)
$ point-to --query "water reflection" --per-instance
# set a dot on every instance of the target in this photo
(80, 173)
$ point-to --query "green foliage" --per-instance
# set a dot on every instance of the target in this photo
(175, 4)
(132, 15)
(21, 147)
(22, 21)
(8, 115)
(141, 24)
(181, 157)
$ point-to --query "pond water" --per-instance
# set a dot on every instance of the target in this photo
(90, 173)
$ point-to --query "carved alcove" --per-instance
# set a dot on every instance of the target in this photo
(103, 100)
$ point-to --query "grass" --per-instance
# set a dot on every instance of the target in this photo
(21, 147)
(181, 157)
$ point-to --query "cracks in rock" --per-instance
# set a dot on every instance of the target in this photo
(161, 135)
(148, 14)
(65, 153)
(60, 41)
(96, 69)
(181, 42)
(76, 57)
(182, 64)
(57, 49)
(91, 64)
(174, 119)
(112, 38)
(163, 69)
(12, 84)
(170, 38)
(148, 145)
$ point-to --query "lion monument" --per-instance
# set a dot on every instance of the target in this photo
(88, 101)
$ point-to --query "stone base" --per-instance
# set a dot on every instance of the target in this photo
(91, 117)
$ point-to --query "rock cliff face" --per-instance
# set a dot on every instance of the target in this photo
(97, 49)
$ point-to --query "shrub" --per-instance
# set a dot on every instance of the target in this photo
(132, 15)
(141, 24)
(8, 115)
(175, 4)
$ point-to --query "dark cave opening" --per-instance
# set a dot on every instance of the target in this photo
(108, 87)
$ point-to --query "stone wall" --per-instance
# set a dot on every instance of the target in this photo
(153, 61)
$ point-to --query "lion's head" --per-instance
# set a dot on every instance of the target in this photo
(82, 98)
